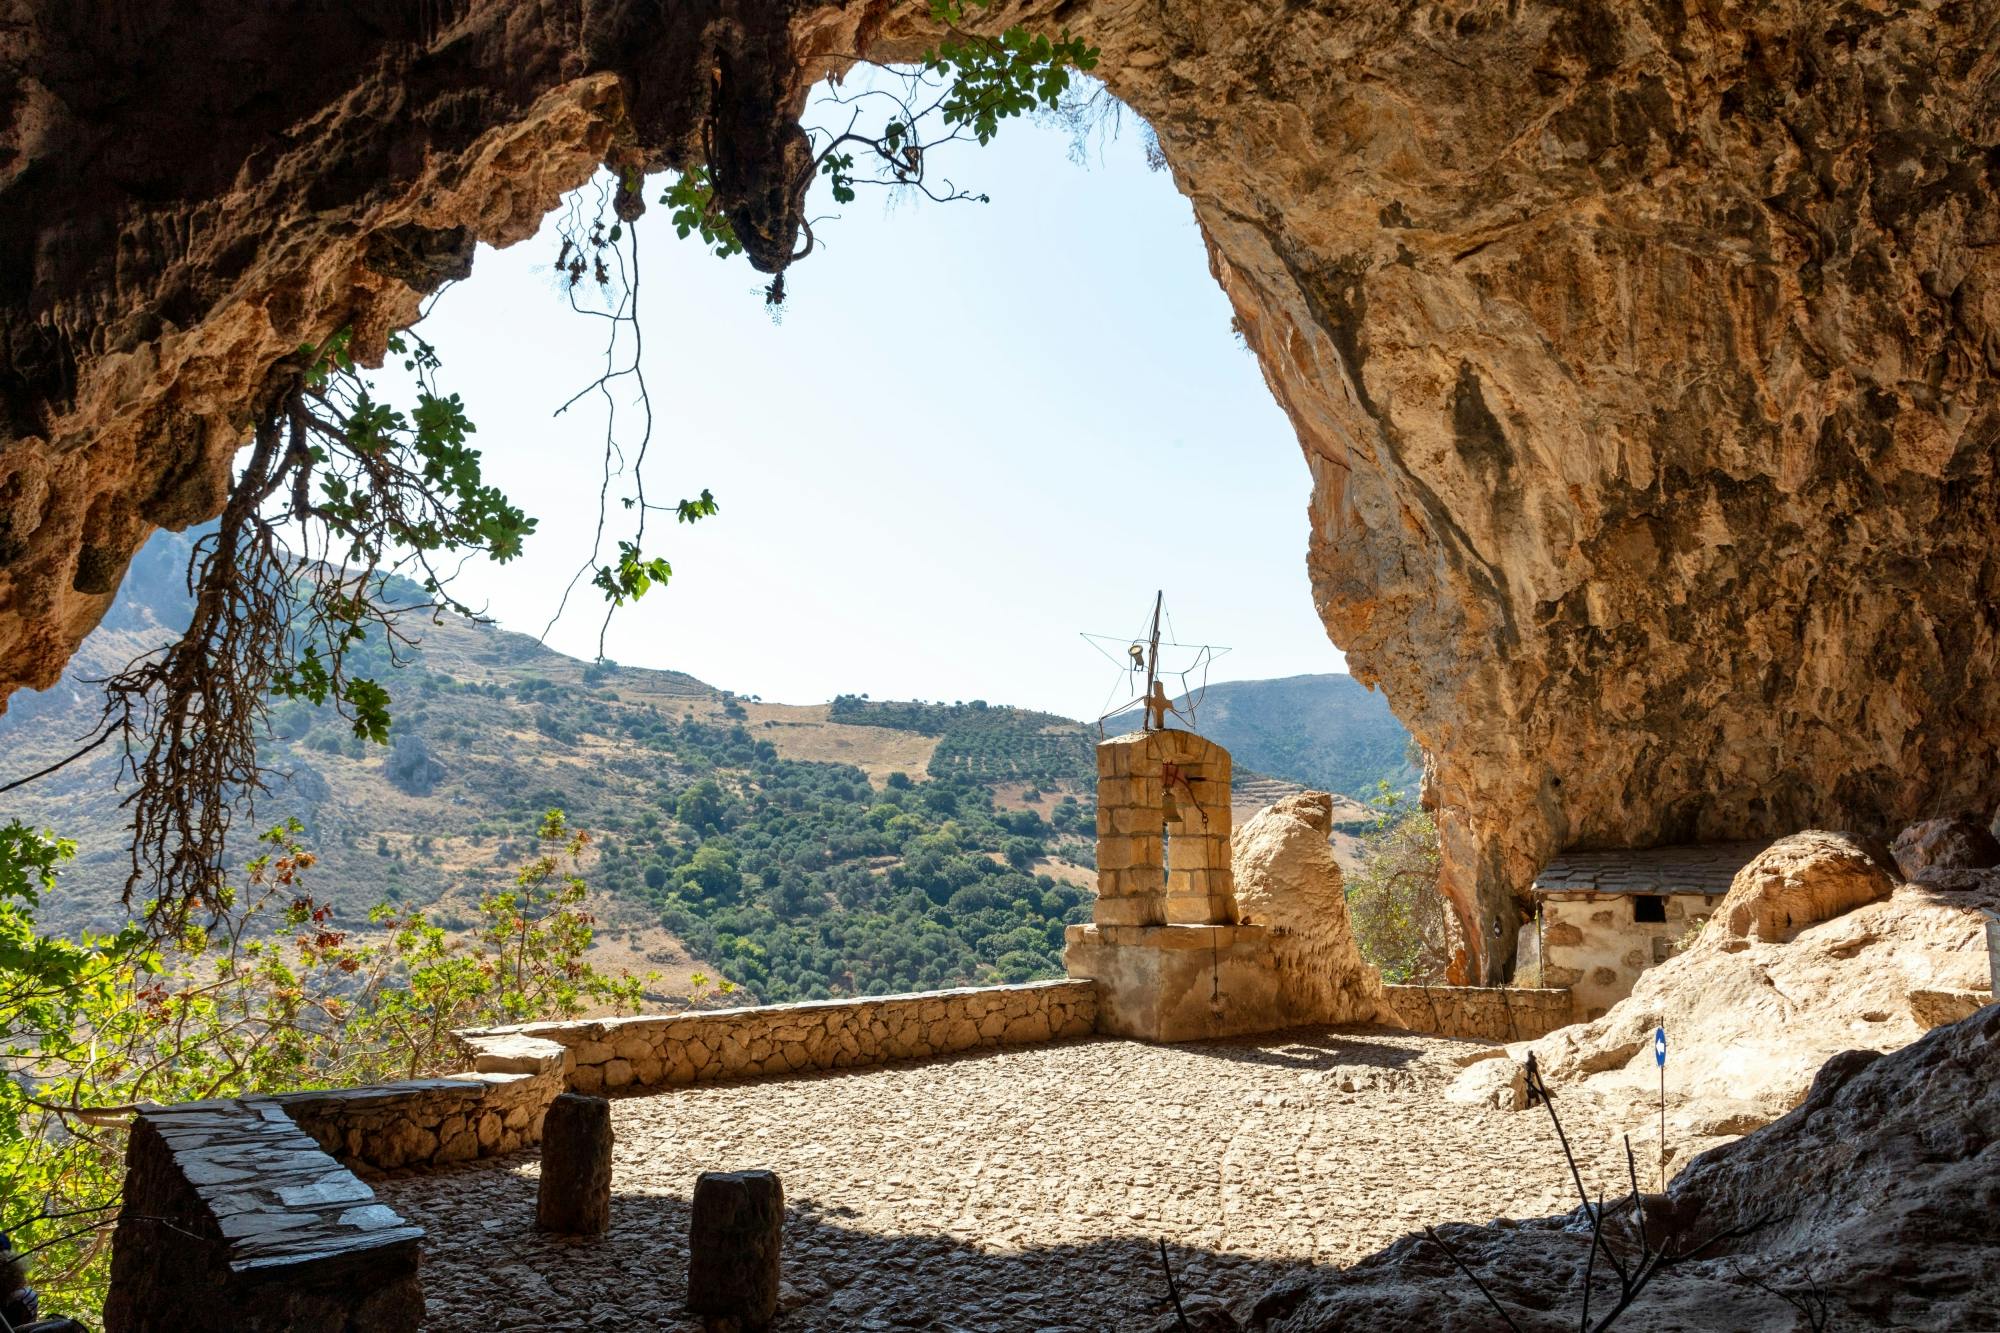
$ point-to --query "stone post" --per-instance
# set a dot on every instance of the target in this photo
(575, 1197)
(733, 1246)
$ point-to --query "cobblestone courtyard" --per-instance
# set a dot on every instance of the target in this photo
(1022, 1190)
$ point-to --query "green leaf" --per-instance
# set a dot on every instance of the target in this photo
(703, 506)
(370, 703)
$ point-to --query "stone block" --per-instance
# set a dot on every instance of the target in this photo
(734, 1246)
(1148, 910)
(1113, 760)
(575, 1194)
(515, 1054)
(1129, 820)
(1138, 850)
(1179, 982)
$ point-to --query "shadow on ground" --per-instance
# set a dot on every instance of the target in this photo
(1321, 1049)
(506, 1275)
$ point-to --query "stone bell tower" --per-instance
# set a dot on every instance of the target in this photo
(1165, 946)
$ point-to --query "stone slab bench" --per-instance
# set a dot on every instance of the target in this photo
(234, 1218)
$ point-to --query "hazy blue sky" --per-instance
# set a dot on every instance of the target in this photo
(977, 430)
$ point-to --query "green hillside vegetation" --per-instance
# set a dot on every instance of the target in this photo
(985, 741)
(792, 878)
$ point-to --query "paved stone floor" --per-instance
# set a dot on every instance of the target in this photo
(1023, 1190)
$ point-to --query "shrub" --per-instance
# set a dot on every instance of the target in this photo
(1401, 920)
(271, 996)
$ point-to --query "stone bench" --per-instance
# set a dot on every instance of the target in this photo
(234, 1218)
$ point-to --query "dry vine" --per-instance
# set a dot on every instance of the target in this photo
(336, 492)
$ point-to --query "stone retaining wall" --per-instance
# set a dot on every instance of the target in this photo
(495, 1108)
(1483, 1013)
(674, 1049)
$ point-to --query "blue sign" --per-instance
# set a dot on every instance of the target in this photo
(1660, 1047)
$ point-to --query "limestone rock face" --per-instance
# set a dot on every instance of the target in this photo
(1287, 879)
(1644, 362)
(1749, 1020)
(1955, 842)
(1798, 882)
(1878, 1190)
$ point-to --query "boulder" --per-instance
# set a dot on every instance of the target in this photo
(1287, 880)
(1500, 1083)
(1953, 842)
(1799, 881)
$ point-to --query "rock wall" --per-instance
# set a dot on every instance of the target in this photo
(430, 1122)
(610, 1054)
(1481, 1013)
(1643, 355)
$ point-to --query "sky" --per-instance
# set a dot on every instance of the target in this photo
(974, 431)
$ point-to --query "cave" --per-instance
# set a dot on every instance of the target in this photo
(1643, 357)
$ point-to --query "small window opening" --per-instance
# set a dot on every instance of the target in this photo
(1649, 908)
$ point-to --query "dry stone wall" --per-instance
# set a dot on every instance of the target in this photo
(669, 1050)
(267, 1227)
(494, 1109)
(1481, 1013)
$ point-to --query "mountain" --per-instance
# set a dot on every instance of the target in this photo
(1328, 732)
(854, 847)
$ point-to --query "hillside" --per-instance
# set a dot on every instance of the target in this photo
(792, 853)
(800, 851)
(1328, 732)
